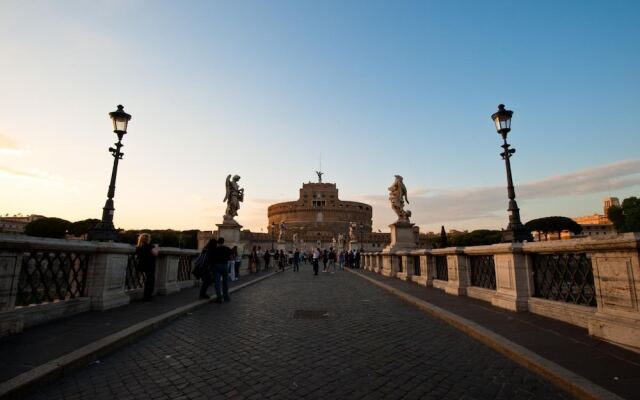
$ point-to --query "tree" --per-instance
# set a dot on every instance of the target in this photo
(48, 227)
(478, 237)
(548, 225)
(80, 228)
(626, 218)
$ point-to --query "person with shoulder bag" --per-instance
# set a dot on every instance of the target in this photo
(147, 253)
(206, 273)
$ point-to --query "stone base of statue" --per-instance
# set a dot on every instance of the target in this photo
(281, 245)
(403, 237)
(229, 229)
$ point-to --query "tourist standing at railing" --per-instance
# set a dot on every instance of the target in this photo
(147, 254)
(207, 274)
(221, 259)
(237, 264)
(231, 263)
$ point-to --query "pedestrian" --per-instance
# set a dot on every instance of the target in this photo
(260, 258)
(147, 253)
(341, 260)
(357, 259)
(282, 260)
(253, 260)
(296, 261)
(267, 259)
(209, 266)
(325, 258)
(222, 256)
(332, 260)
(231, 263)
(316, 260)
(350, 259)
(238, 261)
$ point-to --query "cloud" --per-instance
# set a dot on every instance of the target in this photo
(16, 172)
(489, 203)
(8, 144)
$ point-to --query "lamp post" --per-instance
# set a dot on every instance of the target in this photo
(105, 230)
(515, 232)
(273, 234)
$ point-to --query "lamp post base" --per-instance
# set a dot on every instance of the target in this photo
(103, 233)
(516, 234)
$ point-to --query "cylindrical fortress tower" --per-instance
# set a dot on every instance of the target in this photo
(319, 215)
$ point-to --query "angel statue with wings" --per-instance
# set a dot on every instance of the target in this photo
(233, 196)
(397, 197)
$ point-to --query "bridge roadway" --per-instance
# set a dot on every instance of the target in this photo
(370, 346)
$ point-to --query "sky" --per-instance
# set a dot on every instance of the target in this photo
(267, 89)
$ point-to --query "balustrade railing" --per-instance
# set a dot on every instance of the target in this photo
(566, 277)
(185, 267)
(442, 268)
(50, 276)
(134, 279)
(483, 271)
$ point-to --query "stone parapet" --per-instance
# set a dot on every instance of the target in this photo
(601, 292)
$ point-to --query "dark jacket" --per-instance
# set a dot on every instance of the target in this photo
(146, 259)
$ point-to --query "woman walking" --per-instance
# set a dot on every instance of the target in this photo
(146, 254)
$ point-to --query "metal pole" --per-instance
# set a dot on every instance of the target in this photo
(516, 232)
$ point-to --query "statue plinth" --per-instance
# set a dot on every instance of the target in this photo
(403, 237)
(229, 229)
(281, 245)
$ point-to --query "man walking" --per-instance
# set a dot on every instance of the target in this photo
(332, 260)
(222, 255)
(316, 260)
(209, 265)
(296, 261)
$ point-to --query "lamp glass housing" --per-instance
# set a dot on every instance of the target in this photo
(502, 119)
(120, 120)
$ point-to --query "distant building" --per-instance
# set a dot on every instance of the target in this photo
(16, 223)
(597, 225)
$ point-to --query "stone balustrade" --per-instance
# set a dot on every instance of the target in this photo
(43, 279)
(593, 283)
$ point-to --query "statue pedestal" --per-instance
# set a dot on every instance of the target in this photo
(282, 245)
(229, 229)
(402, 237)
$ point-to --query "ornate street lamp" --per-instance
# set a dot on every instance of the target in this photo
(105, 230)
(515, 232)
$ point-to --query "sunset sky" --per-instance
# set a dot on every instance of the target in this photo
(262, 89)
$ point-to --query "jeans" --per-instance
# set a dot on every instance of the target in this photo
(220, 271)
(149, 282)
(315, 266)
(231, 270)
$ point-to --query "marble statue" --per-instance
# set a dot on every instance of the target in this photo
(340, 239)
(234, 195)
(320, 173)
(352, 231)
(397, 197)
(295, 238)
(283, 228)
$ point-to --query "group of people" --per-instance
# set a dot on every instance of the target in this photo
(221, 265)
(329, 259)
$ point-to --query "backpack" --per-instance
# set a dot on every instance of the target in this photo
(200, 265)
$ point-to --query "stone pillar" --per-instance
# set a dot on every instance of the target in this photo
(167, 273)
(230, 231)
(10, 267)
(389, 265)
(407, 267)
(402, 237)
(458, 266)
(107, 273)
(429, 268)
(616, 275)
(512, 279)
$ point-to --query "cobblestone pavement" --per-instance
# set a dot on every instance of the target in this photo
(370, 346)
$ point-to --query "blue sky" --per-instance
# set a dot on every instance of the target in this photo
(260, 89)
